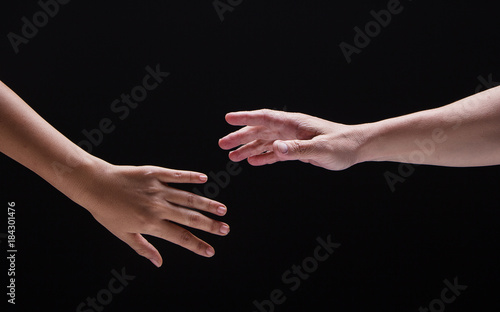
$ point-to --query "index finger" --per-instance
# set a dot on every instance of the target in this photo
(262, 117)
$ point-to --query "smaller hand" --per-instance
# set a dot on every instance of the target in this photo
(270, 136)
(130, 201)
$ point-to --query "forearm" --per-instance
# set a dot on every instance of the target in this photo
(464, 133)
(30, 140)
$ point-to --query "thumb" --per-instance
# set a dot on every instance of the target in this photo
(294, 149)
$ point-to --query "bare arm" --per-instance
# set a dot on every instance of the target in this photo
(464, 133)
(127, 200)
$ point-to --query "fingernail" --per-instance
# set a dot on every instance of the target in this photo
(224, 229)
(155, 262)
(203, 178)
(210, 251)
(282, 147)
(221, 210)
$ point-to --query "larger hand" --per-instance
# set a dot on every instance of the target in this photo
(271, 136)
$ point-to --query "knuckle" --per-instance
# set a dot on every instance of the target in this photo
(190, 199)
(151, 189)
(194, 219)
(297, 147)
(253, 130)
(297, 115)
(150, 173)
(208, 205)
(185, 237)
(267, 113)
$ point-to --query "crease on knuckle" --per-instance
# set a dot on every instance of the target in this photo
(194, 219)
(211, 205)
(178, 175)
(185, 237)
(150, 189)
(190, 199)
(298, 148)
(149, 171)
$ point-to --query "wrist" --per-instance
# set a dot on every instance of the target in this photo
(78, 174)
(369, 143)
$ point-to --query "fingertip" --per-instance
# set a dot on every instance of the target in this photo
(262, 160)
(234, 118)
(228, 117)
(251, 160)
(210, 251)
(221, 210)
(203, 178)
(224, 229)
(223, 143)
(254, 161)
(233, 156)
(156, 262)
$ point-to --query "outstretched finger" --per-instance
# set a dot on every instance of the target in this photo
(190, 200)
(182, 237)
(194, 219)
(244, 136)
(180, 176)
(144, 248)
(263, 159)
(262, 117)
(251, 149)
(303, 150)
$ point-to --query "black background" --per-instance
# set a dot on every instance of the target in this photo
(396, 247)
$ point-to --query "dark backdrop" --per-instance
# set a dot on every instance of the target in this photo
(396, 248)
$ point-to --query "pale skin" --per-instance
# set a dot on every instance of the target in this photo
(128, 200)
(465, 133)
